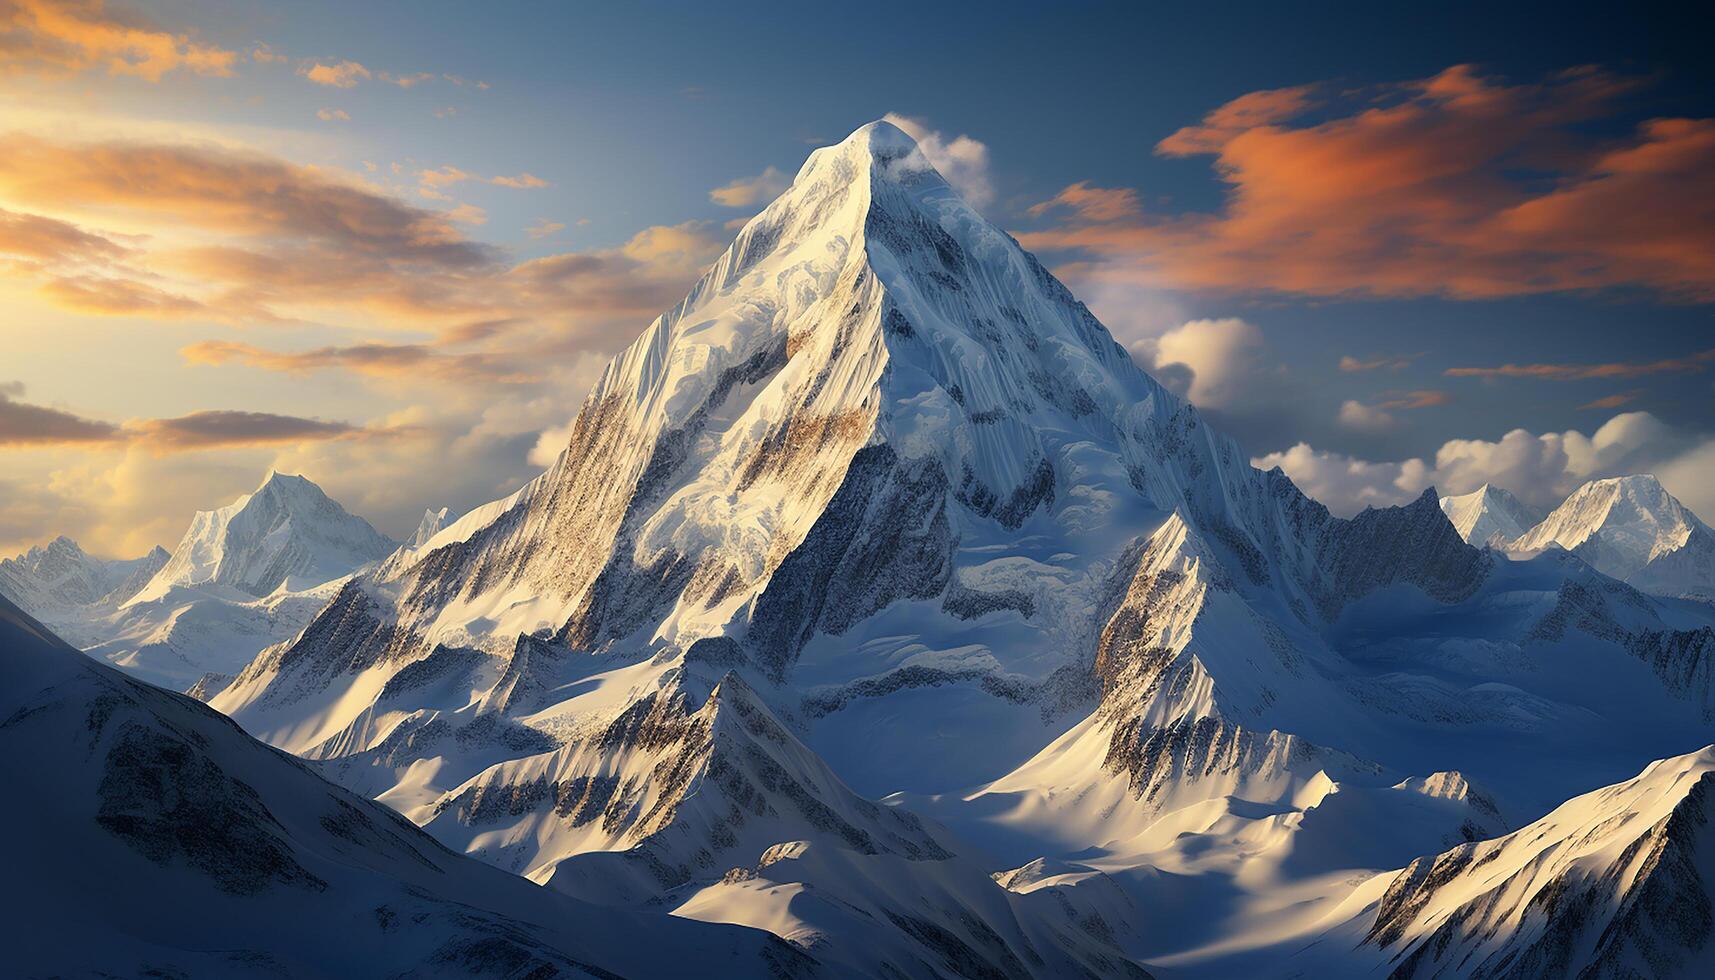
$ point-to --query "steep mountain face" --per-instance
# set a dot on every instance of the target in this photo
(1632, 529)
(880, 508)
(1615, 883)
(158, 839)
(60, 578)
(1489, 514)
(285, 534)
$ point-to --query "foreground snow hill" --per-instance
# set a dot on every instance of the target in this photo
(154, 838)
(880, 512)
(1615, 883)
(243, 577)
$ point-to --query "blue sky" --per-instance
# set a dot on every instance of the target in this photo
(590, 137)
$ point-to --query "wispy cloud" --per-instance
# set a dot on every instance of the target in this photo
(1381, 362)
(69, 36)
(338, 74)
(544, 228)
(961, 159)
(1458, 185)
(23, 425)
(1613, 401)
(1689, 364)
(748, 192)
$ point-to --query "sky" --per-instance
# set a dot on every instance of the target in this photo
(390, 245)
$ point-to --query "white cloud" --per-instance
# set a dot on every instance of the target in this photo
(748, 192)
(1540, 468)
(1358, 417)
(1226, 361)
(963, 161)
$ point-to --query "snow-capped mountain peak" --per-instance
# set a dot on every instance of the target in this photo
(1632, 529)
(287, 532)
(1488, 513)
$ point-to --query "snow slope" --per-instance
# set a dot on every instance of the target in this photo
(155, 838)
(1615, 883)
(880, 510)
(1489, 513)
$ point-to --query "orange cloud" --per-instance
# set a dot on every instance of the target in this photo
(118, 297)
(342, 74)
(1349, 363)
(1418, 399)
(747, 192)
(449, 175)
(39, 239)
(1612, 401)
(1417, 192)
(228, 190)
(1689, 364)
(1090, 203)
(522, 181)
(68, 36)
(1250, 111)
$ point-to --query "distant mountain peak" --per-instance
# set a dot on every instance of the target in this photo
(1633, 529)
(287, 532)
(1489, 514)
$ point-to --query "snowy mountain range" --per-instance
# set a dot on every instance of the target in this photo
(243, 577)
(1629, 528)
(880, 602)
(60, 577)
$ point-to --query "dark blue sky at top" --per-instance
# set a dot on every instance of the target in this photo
(635, 110)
